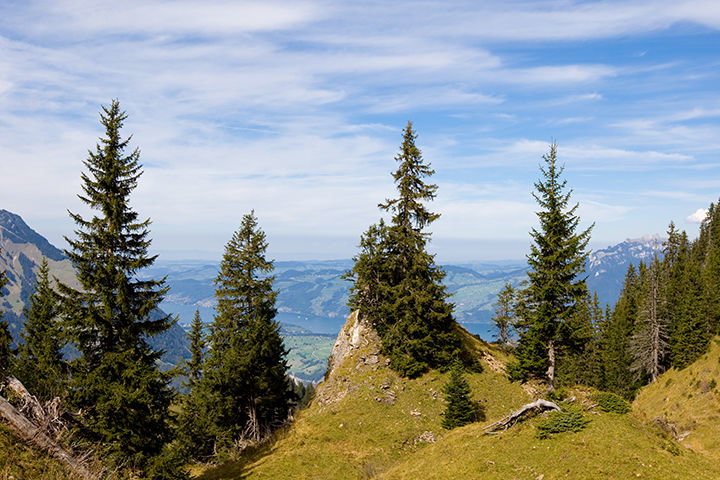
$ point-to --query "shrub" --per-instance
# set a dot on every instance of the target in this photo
(558, 422)
(460, 409)
(557, 395)
(609, 402)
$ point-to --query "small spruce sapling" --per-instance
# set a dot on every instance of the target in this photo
(460, 409)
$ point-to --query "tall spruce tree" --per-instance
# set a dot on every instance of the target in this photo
(397, 286)
(195, 429)
(193, 367)
(689, 330)
(116, 383)
(504, 314)
(556, 286)
(5, 338)
(245, 375)
(709, 248)
(616, 333)
(40, 365)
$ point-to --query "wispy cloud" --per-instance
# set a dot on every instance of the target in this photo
(287, 107)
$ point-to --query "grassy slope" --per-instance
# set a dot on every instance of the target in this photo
(688, 400)
(611, 447)
(354, 428)
(19, 461)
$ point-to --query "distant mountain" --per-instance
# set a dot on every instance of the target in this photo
(313, 295)
(21, 252)
(607, 267)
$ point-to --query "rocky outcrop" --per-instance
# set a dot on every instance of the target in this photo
(356, 349)
(356, 335)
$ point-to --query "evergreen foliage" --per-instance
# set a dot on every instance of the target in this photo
(193, 367)
(610, 402)
(580, 360)
(616, 332)
(397, 286)
(5, 338)
(570, 420)
(504, 314)
(556, 288)
(40, 365)
(244, 384)
(667, 312)
(116, 383)
(460, 410)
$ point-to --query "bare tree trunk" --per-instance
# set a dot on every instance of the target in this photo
(551, 364)
(510, 420)
(33, 434)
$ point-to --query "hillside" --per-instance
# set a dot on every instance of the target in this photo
(21, 252)
(680, 406)
(366, 422)
(687, 403)
(612, 446)
(365, 419)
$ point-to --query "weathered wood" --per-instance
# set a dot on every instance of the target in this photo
(534, 407)
(33, 434)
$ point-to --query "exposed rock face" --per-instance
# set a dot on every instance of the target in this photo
(354, 336)
(357, 348)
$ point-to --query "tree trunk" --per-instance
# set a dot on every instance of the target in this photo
(551, 364)
(507, 422)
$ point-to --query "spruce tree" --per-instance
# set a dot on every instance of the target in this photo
(556, 286)
(579, 360)
(5, 338)
(689, 331)
(459, 409)
(504, 314)
(616, 332)
(116, 383)
(193, 367)
(397, 286)
(709, 241)
(245, 376)
(40, 365)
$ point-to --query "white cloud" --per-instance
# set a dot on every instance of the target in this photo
(288, 107)
(698, 216)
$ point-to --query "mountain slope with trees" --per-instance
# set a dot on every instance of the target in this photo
(365, 417)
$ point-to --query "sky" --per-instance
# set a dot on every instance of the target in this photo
(296, 109)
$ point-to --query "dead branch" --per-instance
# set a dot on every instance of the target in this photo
(531, 408)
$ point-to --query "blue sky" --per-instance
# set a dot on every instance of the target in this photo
(295, 109)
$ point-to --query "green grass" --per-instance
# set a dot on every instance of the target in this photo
(610, 447)
(364, 420)
(688, 401)
(19, 461)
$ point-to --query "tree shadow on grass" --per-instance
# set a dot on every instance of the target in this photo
(238, 468)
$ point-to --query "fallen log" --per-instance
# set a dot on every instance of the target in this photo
(33, 434)
(530, 408)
